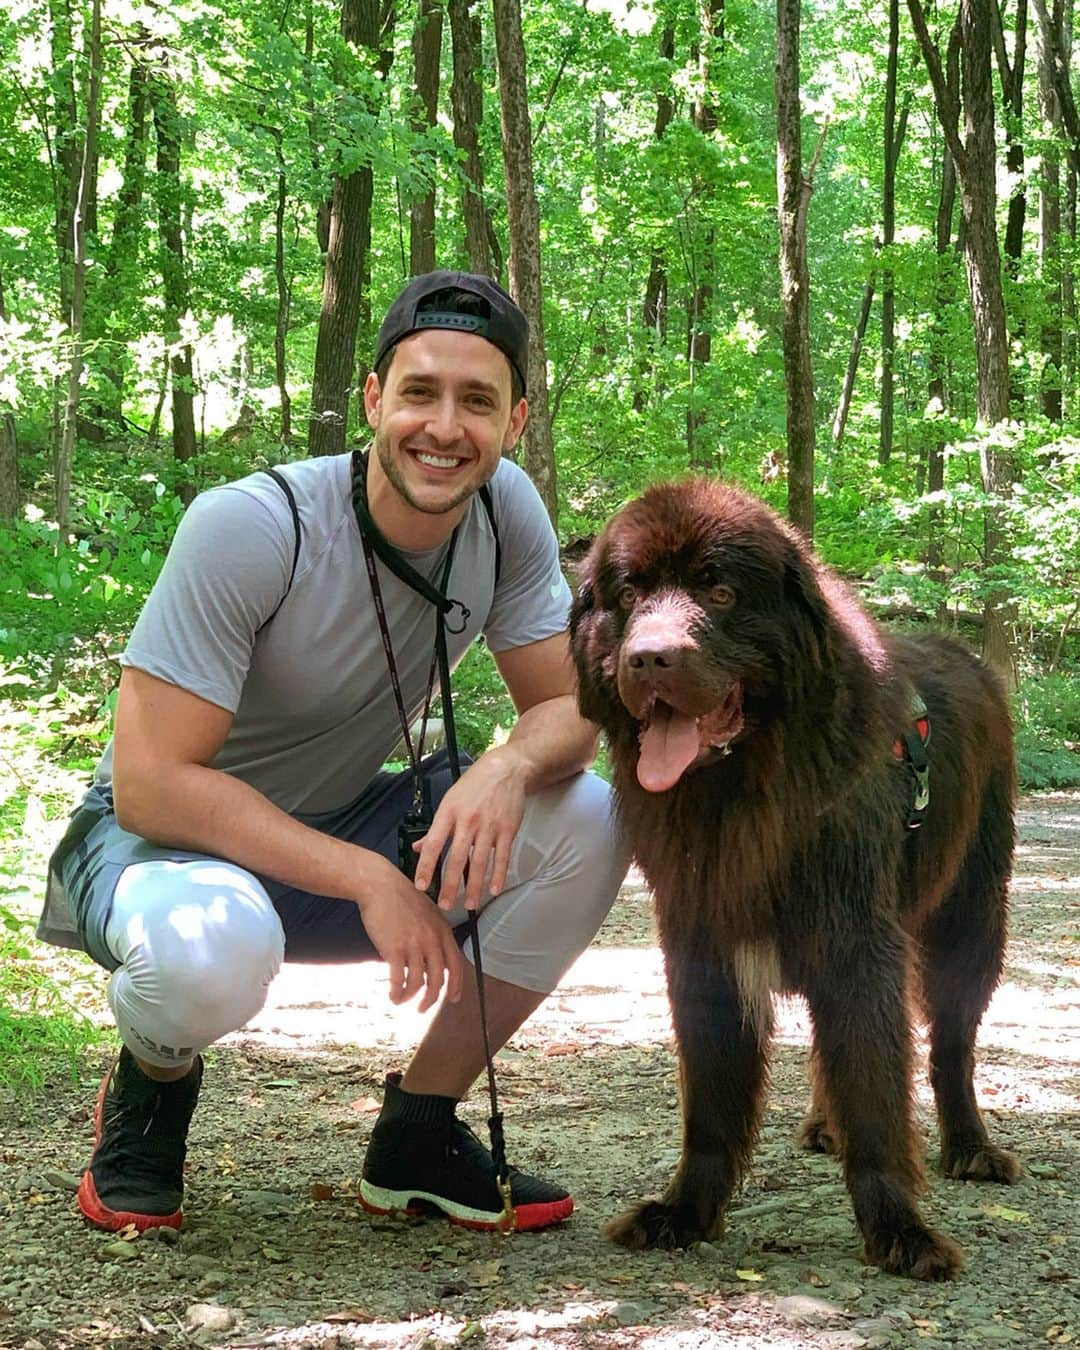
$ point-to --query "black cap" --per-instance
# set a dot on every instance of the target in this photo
(503, 324)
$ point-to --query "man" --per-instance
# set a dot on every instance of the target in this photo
(239, 816)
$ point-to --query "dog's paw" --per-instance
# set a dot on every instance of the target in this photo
(815, 1136)
(656, 1224)
(982, 1162)
(919, 1253)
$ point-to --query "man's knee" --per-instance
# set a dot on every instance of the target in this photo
(198, 942)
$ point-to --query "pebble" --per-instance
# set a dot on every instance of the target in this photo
(806, 1308)
(120, 1251)
(62, 1181)
(201, 1265)
(269, 1204)
(209, 1317)
(629, 1314)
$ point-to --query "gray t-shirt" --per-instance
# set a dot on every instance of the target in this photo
(315, 715)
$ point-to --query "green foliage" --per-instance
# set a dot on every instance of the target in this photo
(1047, 712)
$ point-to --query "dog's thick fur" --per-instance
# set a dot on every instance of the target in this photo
(753, 712)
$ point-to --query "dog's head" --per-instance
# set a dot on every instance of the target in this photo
(699, 619)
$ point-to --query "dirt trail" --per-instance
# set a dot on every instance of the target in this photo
(276, 1252)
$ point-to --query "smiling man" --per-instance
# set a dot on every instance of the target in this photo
(241, 815)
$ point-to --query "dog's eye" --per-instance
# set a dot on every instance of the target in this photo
(723, 597)
(627, 597)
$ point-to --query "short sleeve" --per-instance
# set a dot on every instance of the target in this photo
(226, 572)
(532, 598)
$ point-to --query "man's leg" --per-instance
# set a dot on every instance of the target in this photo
(197, 943)
(565, 872)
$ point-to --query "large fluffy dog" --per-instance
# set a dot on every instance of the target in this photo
(756, 718)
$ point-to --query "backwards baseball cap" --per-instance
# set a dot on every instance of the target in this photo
(493, 315)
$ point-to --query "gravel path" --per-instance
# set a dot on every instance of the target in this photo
(276, 1252)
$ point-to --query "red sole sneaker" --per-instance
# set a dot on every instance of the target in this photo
(94, 1209)
(527, 1218)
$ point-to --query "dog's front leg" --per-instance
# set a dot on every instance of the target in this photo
(722, 1062)
(862, 1043)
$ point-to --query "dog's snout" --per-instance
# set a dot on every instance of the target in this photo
(646, 659)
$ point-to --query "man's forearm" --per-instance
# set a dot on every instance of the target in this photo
(554, 742)
(203, 810)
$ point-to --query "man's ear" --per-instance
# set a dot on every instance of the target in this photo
(372, 400)
(518, 416)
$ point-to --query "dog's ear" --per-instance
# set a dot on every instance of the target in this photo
(802, 591)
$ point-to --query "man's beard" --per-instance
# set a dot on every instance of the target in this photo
(397, 482)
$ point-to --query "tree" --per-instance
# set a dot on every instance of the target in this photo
(466, 98)
(426, 50)
(346, 275)
(793, 193)
(9, 449)
(975, 162)
(1011, 73)
(169, 192)
(524, 220)
(1050, 337)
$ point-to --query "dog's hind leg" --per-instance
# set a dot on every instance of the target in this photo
(818, 1132)
(963, 945)
(722, 1062)
(858, 1001)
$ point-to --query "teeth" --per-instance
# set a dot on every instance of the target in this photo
(438, 461)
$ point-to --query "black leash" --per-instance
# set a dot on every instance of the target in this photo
(375, 544)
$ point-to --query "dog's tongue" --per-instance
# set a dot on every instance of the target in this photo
(669, 745)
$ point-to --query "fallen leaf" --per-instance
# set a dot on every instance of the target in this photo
(348, 1315)
(321, 1190)
(365, 1105)
(748, 1275)
(554, 1048)
(1009, 1215)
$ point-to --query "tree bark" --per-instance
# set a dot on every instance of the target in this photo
(88, 159)
(793, 193)
(123, 245)
(699, 318)
(426, 51)
(654, 310)
(524, 221)
(1050, 337)
(323, 205)
(284, 292)
(173, 266)
(1012, 85)
(466, 100)
(347, 262)
(888, 237)
(976, 170)
(844, 406)
(943, 294)
(9, 449)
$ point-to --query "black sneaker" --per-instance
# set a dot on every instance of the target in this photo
(422, 1157)
(136, 1174)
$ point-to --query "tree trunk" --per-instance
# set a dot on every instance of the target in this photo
(284, 292)
(793, 193)
(699, 318)
(426, 51)
(123, 245)
(1050, 337)
(976, 169)
(466, 99)
(888, 237)
(9, 450)
(345, 275)
(88, 159)
(844, 406)
(322, 208)
(943, 294)
(654, 310)
(524, 221)
(173, 268)
(1012, 85)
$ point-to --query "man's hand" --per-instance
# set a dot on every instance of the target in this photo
(480, 817)
(414, 940)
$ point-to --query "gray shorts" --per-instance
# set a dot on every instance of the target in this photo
(88, 862)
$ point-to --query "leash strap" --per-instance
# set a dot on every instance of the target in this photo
(375, 543)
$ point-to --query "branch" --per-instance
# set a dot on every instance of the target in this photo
(997, 27)
(948, 105)
(571, 48)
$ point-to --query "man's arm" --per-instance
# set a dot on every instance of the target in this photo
(483, 811)
(165, 790)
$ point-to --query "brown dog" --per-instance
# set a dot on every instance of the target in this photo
(756, 719)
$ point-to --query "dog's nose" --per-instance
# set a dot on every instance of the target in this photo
(646, 660)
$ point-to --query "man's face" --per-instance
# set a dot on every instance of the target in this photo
(444, 417)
